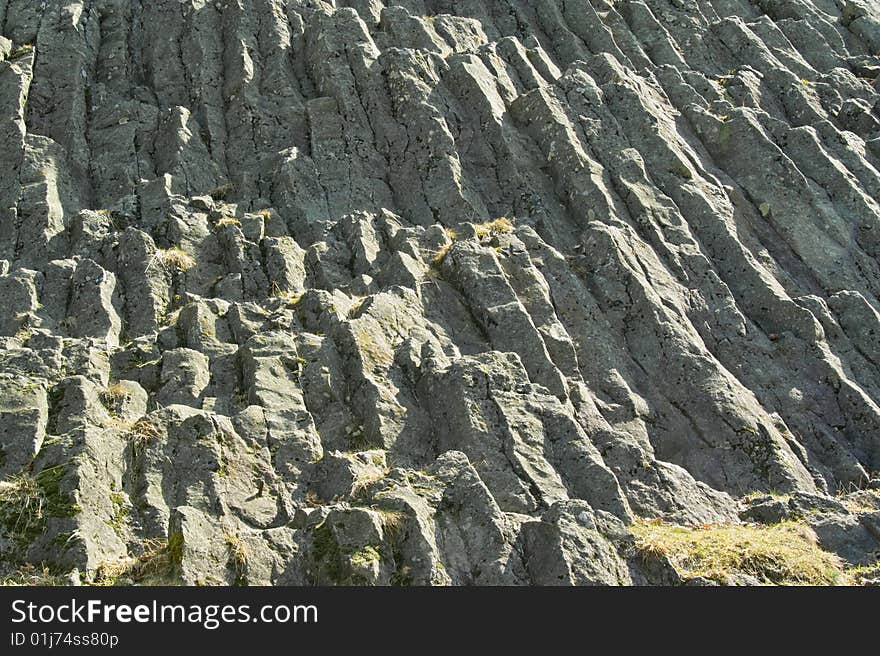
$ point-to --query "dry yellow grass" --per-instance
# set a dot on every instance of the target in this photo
(393, 522)
(867, 575)
(175, 258)
(32, 576)
(238, 556)
(500, 226)
(365, 480)
(156, 566)
(22, 503)
(114, 394)
(142, 432)
(782, 554)
(288, 296)
(440, 254)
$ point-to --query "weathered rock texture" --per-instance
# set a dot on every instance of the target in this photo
(255, 298)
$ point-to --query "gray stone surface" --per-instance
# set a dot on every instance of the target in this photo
(437, 292)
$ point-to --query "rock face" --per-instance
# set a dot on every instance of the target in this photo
(435, 292)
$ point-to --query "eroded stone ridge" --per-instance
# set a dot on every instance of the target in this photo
(435, 292)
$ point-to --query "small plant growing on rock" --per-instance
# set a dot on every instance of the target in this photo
(33, 576)
(22, 50)
(393, 522)
(228, 221)
(114, 395)
(867, 575)
(238, 557)
(286, 296)
(500, 226)
(365, 480)
(175, 259)
(22, 503)
(28, 500)
(313, 500)
(155, 566)
(142, 433)
(784, 554)
(440, 254)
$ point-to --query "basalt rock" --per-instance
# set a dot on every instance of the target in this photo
(435, 293)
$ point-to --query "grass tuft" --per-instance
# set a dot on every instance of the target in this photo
(365, 480)
(156, 566)
(27, 500)
(115, 394)
(441, 254)
(867, 575)
(289, 297)
(228, 221)
(31, 575)
(238, 557)
(500, 226)
(393, 523)
(782, 554)
(175, 259)
(142, 433)
(23, 504)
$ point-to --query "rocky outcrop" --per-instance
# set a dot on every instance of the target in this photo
(435, 292)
